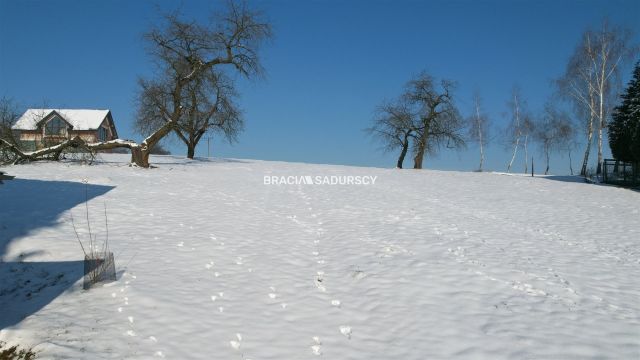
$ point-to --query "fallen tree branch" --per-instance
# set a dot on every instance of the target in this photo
(54, 152)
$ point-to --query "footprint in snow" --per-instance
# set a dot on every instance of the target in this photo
(346, 331)
(209, 265)
(335, 303)
(315, 348)
(130, 318)
(131, 333)
(180, 244)
(236, 344)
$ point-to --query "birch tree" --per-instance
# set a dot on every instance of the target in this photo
(590, 80)
(479, 128)
(515, 127)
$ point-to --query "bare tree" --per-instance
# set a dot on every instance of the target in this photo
(190, 57)
(553, 132)
(437, 121)
(589, 80)
(209, 107)
(9, 113)
(515, 129)
(393, 126)
(528, 129)
(479, 127)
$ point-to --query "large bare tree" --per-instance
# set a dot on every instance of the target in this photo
(209, 107)
(437, 121)
(191, 58)
(590, 80)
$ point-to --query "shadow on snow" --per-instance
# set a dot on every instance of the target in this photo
(25, 206)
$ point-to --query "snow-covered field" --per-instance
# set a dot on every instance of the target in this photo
(213, 264)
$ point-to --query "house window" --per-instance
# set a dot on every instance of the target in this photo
(102, 134)
(56, 127)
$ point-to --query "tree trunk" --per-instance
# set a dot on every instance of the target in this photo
(417, 160)
(600, 161)
(601, 122)
(138, 158)
(546, 171)
(570, 163)
(585, 161)
(513, 157)
(481, 149)
(422, 145)
(191, 150)
(403, 153)
(526, 155)
(480, 139)
(142, 159)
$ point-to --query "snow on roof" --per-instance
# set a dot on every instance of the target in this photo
(80, 119)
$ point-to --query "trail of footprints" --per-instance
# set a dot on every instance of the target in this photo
(130, 319)
(273, 296)
(320, 276)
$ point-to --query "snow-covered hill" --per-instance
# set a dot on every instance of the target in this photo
(214, 264)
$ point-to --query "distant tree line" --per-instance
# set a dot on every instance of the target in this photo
(425, 119)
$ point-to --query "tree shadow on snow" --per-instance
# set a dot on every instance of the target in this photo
(581, 180)
(27, 287)
(565, 178)
(25, 206)
(28, 205)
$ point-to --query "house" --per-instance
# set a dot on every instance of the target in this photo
(39, 128)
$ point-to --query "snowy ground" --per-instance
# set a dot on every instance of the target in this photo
(213, 264)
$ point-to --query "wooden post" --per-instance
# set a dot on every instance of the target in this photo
(532, 166)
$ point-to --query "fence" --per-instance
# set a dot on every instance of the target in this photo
(621, 173)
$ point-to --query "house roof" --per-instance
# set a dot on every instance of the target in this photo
(80, 119)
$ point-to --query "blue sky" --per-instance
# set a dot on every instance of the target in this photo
(328, 67)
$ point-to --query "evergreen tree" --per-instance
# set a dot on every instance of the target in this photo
(624, 129)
